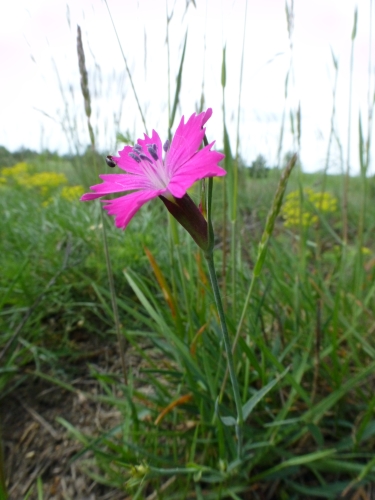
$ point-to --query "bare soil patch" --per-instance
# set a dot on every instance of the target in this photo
(37, 445)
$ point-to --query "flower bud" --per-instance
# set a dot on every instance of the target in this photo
(185, 211)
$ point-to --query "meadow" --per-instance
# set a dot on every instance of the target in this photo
(114, 366)
(311, 311)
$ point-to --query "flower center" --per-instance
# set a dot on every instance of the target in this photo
(154, 167)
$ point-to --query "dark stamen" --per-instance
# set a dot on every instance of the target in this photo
(152, 149)
(135, 157)
(144, 157)
(166, 145)
(137, 148)
(110, 162)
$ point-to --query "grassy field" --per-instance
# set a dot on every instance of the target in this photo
(308, 434)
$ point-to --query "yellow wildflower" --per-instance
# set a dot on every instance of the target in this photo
(295, 212)
(19, 173)
(18, 169)
(47, 180)
(72, 193)
(366, 251)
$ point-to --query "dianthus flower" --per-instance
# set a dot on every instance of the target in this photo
(149, 175)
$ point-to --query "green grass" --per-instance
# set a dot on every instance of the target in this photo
(311, 311)
(42, 244)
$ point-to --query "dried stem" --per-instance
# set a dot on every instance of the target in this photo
(86, 97)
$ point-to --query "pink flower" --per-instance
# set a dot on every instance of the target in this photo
(149, 175)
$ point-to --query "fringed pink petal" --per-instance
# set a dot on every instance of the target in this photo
(116, 183)
(207, 116)
(202, 164)
(186, 141)
(90, 197)
(125, 207)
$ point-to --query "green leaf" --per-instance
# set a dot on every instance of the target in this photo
(254, 400)
(362, 160)
(227, 421)
(316, 434)
(325, 491)
(317, 456)
(250, 356)
(178, 87)
(224, 69)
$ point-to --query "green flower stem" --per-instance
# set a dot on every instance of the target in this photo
(228, 348)
(227, 344)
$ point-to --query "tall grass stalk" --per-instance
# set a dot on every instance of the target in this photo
(228, 166)
(371, 89)
(289, 12)
(318, 238)
(202, 100)
(332, 122)
(347, 171)
(363, 163)
(234, 208)
(87, 101)
(168, 20)
(365, 144)
(67, 123)
(176, 99)
(127, 68)
(175, 239)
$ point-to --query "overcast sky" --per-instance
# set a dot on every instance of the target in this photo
(41, 105)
